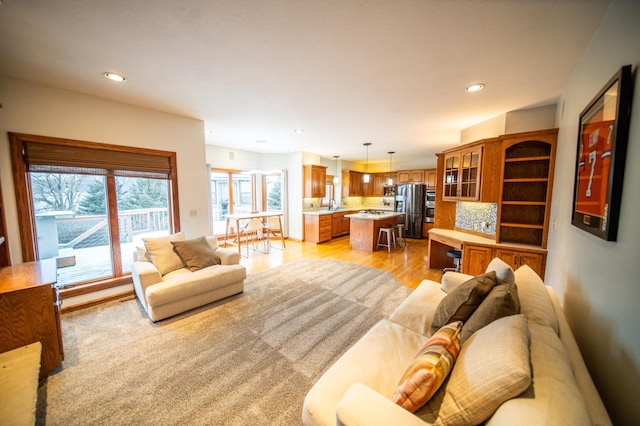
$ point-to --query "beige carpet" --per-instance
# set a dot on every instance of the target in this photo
(247, 360)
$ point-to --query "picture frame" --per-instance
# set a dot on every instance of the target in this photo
(603, 133)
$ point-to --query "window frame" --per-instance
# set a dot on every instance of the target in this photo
(24, 201)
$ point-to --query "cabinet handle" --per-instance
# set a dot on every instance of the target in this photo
(515, 260)
(521, 261)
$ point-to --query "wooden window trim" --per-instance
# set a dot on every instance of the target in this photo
(22, 185)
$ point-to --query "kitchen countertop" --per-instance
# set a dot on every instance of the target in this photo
(374, 216)
(341, 210)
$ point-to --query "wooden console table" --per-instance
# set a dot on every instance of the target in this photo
(30, 311)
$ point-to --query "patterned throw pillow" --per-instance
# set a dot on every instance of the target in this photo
(429, 368)
(196, 254)
(463, 301)
(493, 367)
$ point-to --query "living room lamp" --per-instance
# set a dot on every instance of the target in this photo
(366, 177)
(336, 178)
(390, 180)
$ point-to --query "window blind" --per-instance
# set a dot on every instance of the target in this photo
(56, 158)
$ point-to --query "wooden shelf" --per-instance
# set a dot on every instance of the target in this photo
(522, 159)
(522, 225)
(525, 180)
(524, 203)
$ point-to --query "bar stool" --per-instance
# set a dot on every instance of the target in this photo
(400, 230)
(389, 235)
(456, 254)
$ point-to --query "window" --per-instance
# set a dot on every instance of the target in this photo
(88, 205)
(231, 192)
(272, 192)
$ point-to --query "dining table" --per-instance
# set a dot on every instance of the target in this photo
(238, 217)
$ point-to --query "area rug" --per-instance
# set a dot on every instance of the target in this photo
(247, 360)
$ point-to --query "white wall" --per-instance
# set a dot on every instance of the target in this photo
(598, 281)
(43, 110)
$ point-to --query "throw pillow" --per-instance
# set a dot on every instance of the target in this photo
(429, 368)
(535, 302)
(504, 272)
(501, 301)
(463, 301)
(161, 253)
(493, 367)
(196, 254)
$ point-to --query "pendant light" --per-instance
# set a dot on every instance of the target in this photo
(336, 178)
(366, 177)
(390, 180)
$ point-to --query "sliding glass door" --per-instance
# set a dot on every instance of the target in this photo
(73, 222)
(89, 205)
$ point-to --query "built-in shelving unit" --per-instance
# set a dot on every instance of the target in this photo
(527, 181)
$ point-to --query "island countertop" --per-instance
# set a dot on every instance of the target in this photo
(378, 215)
(364, 228)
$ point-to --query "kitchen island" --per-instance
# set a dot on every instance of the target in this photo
(365, 225)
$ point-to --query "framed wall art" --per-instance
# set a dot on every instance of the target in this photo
(600, 160)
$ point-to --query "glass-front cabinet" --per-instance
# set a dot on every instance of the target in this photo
(462, 175)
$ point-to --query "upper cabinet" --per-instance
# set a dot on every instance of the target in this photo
(411, 176)
(352, 185)
(314, 181)
(471, 173)
(527, 182)
(430, 177)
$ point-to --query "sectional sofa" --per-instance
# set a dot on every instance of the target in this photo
(524, 367)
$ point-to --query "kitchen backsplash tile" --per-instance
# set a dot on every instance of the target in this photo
(472, 216)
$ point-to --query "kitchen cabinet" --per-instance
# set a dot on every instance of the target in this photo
(314, 181)
(475, 258)
(30, 311)
(340, 224)
(527, 182)
(430, 178)
(411, 176)
(472, 173)
(352, 185)
(518, 257)
(318, 227)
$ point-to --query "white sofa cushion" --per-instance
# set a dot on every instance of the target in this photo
(183, 283)
(417, 310)
(377, 360)
(160, 252)
(493, 366)
(553, 397)
(535, 302)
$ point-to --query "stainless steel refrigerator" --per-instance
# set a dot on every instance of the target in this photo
(410, 200)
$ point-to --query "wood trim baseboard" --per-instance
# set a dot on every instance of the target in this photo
(95, 302)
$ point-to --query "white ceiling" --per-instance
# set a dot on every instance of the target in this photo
(346, 71)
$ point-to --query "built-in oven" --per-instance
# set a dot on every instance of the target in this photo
(430, 206)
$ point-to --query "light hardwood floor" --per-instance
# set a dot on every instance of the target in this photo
(407, 264)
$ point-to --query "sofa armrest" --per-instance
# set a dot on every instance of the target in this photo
(452, 280)
(228, 256)
(144, 274)
(361, 406)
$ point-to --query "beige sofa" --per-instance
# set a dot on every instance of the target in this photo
(557, 388)
(165, 286)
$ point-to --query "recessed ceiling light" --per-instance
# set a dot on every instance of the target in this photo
(475, 87)
(114, 77)
(298, 130)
